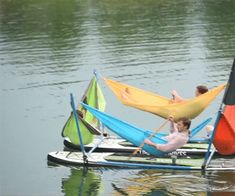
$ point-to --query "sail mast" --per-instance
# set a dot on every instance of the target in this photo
(78, 129)
(228, 99)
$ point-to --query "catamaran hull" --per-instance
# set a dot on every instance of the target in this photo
(126, 161)
(98, 160)
(120, 145)
(102, 145)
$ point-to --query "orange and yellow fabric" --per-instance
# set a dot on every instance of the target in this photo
(159, 105)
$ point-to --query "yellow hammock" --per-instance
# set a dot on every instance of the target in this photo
(160, 105)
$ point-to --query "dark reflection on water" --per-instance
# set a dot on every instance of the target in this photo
(53, 37)
(40, 37)
(221, 181)
(84, 181)
(152, 182)
(50, 48)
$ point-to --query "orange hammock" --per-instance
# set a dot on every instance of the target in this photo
(224, 139)
(160, 105)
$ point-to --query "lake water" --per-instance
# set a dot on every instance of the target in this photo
(49, 49)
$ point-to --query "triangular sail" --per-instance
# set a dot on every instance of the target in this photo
(224, 137)
(94, 97)
(160, 105)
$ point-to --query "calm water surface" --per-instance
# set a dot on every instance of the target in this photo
(50, 48)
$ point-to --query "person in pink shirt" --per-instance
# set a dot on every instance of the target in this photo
(176, 139)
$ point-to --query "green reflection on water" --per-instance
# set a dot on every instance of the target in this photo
(82, 182)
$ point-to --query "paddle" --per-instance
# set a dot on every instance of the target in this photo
(152, 135)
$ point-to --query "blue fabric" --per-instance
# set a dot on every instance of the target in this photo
(134, 134)
(199, 127)
(200, 140)
(126, 131)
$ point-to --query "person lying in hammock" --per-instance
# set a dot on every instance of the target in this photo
(201, 89)
(177, 139)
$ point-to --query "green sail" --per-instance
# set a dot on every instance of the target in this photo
(94, 97)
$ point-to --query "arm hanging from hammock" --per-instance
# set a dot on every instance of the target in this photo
(176, 97)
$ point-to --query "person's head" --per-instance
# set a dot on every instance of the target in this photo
(201, 89)
(183, 124)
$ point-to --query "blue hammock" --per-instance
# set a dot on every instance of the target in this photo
(131, 133)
